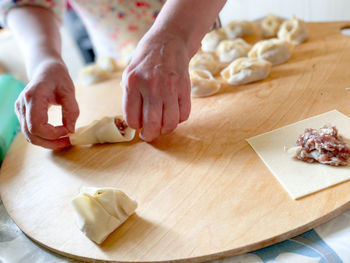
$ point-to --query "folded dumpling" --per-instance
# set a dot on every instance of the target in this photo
(206, 61)
(293, 31)
(270, 25)
(92, 74)
(212, 39)
(230, 49)
(203, 83)
(246, 70)
(238, 28)
(106, 130)
(99, 211)
(107, 63)
(274, 50)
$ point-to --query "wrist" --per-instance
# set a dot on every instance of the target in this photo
(41, 59)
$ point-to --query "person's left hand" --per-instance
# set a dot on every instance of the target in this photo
(156, 86)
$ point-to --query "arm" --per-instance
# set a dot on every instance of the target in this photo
(156, 83)
(36, 29)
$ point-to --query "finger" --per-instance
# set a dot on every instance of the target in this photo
(171, 115)
(61, 143)
(132, 104)
(151, 119)
(184, 102)
(70, 112)
(36, 119)
(57, 144)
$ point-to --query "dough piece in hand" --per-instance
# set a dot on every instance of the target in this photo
(322, 145)
(205, 61)
(106, 130)
(212, 39)
(270, 26)
(100, 211)
(231, 49)
(107, 63)
(246, 70)
(92, 74)
(203, 83)
(238, 28)
(274, 50)
(293, 31)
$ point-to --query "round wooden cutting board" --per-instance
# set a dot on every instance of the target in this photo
(202, 191)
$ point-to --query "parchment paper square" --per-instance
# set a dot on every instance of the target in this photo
(300, 178)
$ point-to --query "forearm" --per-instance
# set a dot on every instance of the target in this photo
(189, 19)
(37, 31)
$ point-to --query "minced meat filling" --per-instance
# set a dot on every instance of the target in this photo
(323, 145)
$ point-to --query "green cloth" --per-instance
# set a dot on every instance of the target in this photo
(10, 88)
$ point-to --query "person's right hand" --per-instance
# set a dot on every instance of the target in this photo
(50, 85)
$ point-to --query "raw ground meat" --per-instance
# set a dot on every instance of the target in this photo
(323, 145)
(121, 125)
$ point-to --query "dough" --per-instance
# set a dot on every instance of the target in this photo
(107, 63)
(274, 50)
(205, 61)
(238, 28)
(300, 178)
(246, 70)
(103, 131)
(270, 26)
(203, 83)
(212, 39)
(231, 49)
(293, 31)
(92, 74)
(99, 211)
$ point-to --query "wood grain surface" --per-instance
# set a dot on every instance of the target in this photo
(202, 191)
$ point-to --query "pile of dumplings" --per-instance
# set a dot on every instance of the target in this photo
(224, 51)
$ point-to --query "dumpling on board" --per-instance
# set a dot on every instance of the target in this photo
(212, 39)
(206, 61)
(105, 130)
(230, 49)
(92, 74)
(274, 50)
(107, 63)
(246, 70)
(238, 28)
(203, 83)
(99, 211)
(270, 25)
(293, 31)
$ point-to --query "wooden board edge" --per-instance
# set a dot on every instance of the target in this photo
(215, 256)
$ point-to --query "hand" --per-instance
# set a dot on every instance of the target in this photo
(50, 85)
(156, 86)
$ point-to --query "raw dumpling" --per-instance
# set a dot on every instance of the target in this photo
(274, 50)
(270, 26)
(206, 61)
(246, 70)
(106, 130)
(107, 63)
(230, 49)
(92, 74)
(238, 28)
(293, 31)
(203, 83)
(212, 39)
(100, 211)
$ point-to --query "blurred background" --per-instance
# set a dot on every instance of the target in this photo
(78, 50)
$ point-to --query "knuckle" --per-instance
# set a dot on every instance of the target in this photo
(33, 129)
(28, 95)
